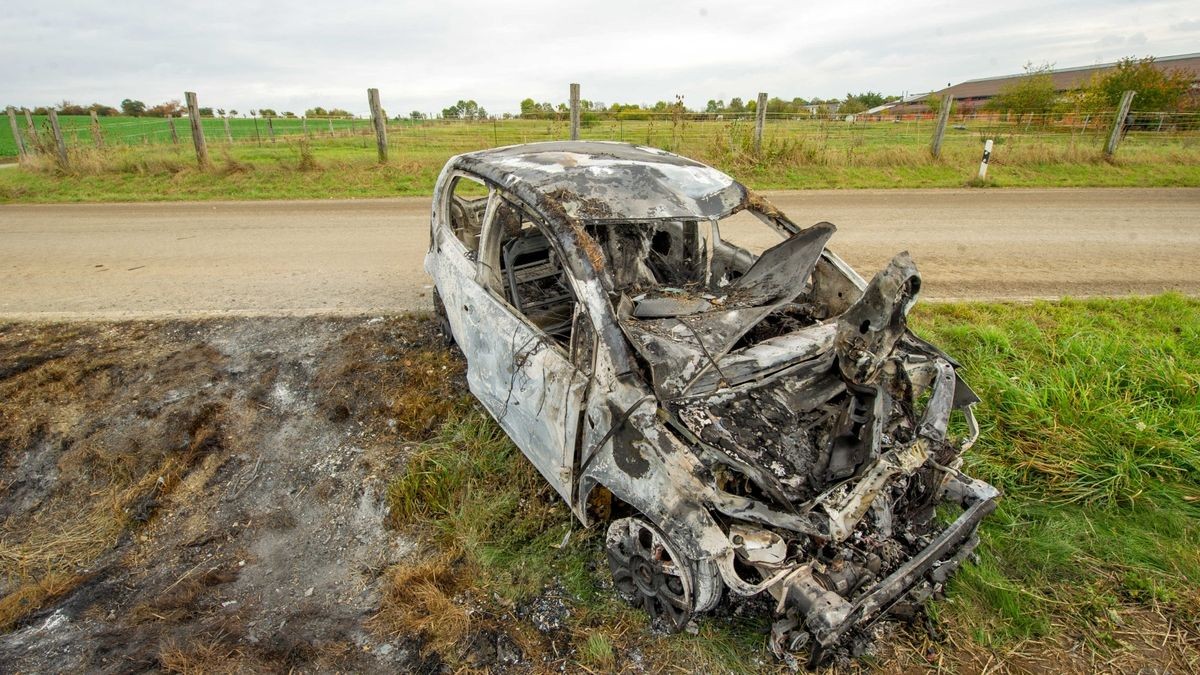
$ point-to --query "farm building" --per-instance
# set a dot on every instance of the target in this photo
(974, 93)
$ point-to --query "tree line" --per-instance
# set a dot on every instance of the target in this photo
(1158, 89)
(174, 108)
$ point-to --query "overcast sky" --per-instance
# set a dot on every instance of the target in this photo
(425, 56)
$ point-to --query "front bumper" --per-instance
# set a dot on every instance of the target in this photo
(827, 616)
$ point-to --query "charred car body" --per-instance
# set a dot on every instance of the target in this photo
(748, 415)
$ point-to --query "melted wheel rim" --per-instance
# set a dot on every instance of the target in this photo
(647, 572)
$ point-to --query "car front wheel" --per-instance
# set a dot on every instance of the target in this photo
(649, 572)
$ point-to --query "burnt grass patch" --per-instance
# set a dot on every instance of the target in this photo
(319, 494)
(207, 495)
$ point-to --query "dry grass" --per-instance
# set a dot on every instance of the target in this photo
(795, 155)
(423, 599)
(201, 657)
(411, 400)
(106, 480)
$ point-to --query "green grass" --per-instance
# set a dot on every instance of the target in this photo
(796, 155)
(135, 131)
(1091, 427)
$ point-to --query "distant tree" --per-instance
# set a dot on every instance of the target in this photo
(1158, 89)
(206, 112)
(467, 110)
(220, 112)
(68, 108)
(316, 112)
(530, 108)
(851, 106)
(856, 103)
(132, 107)
(714, 106)
(736, 105)
(338, 112)
(1033, 92)
(289, 114)
(232, 112)
(173, 108)
(416, 115)
(267, 112)
(934, 102)
(103, 110)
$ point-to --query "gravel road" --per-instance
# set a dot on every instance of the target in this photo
(365, 256)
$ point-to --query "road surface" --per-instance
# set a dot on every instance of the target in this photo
(102, 261)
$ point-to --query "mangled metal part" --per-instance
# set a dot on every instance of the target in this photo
(683, 348)
(869, 330)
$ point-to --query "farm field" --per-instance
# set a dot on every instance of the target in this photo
(319, 494)
(139, 163)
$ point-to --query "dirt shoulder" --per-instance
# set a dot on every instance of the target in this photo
(346, 257)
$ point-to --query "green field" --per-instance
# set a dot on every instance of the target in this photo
(1090, 418)
(127, 131)
(140, 163)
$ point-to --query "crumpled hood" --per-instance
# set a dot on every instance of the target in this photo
(684, 339)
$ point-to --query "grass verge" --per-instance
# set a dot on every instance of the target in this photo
(867, 156)
(1091, 412)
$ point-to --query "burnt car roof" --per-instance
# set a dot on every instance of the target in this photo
(602, 180)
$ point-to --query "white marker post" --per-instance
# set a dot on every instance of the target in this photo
(987, 154)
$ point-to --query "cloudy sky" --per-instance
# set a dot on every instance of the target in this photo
(424, 56)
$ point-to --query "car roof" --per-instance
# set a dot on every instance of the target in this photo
(603, 181)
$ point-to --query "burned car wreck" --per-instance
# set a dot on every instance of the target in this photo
(682, 361)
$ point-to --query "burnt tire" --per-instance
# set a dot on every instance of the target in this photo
(443, 320)
(649, 572)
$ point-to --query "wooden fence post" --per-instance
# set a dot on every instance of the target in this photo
(197, 129)
(59, 144)
(174, 133)
(97, 138)
(22, 153)
(380, 124)
(574, 111)
(939, 131)
(32, 136)
(760, 121)
(331, 127)
(304, 126)
(228, 133)
(1114, 137)
(270, 128)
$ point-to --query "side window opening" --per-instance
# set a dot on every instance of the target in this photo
(468, 200)
(528, 273)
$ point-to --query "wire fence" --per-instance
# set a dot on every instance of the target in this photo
(682, 132)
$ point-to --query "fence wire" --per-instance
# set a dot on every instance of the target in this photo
(695, 132)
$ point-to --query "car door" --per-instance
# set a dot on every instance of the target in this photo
(454, 252)
(523, 375)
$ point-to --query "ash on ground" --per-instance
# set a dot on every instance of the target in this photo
(249, 458)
